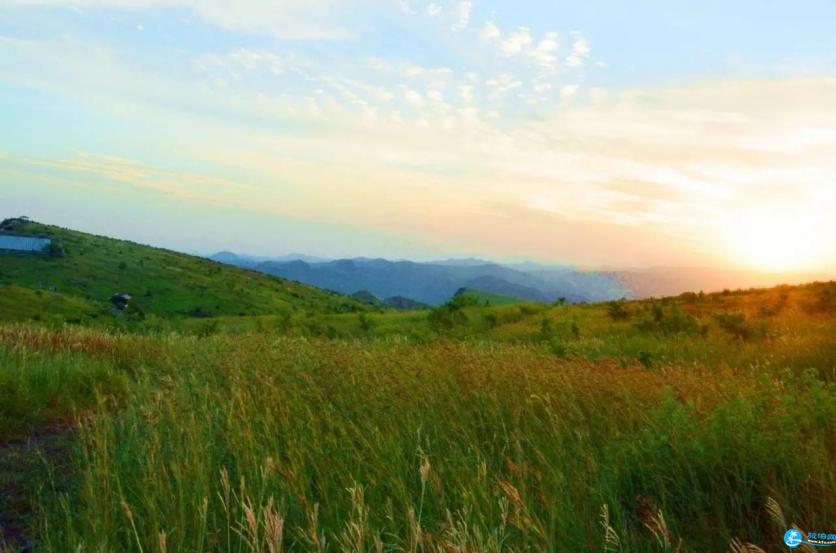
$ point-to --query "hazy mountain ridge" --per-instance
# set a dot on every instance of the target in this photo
(436, 281)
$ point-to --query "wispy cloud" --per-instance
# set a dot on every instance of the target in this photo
(289, 19)
(118, 170)
(504, 149)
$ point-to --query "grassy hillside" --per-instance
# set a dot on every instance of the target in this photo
(514, 428)
(490, 298)
(161, 282)
(294, 419)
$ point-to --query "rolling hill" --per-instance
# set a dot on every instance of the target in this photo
(489, 298)
(91, 269)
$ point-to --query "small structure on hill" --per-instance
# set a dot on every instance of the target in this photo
(25, 244)
(120, 301)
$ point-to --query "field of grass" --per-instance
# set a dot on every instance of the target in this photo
(664, 425)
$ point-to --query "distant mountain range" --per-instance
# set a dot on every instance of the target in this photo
(435, 282)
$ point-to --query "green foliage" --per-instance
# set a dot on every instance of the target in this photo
(39, 388)
(546, 328)
(646, 359)
(366, 324)
(558, 347)
(445, 318)
(617, 311)
(55, 249)
(671, 321)
(738, 325)
(489, 298)
(475, 446)
(206, 329)
(824, 300)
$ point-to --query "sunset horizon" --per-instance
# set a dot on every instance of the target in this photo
(428, 130)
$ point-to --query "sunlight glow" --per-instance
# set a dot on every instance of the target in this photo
(771, 240)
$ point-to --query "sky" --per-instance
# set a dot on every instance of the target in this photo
(595, 133)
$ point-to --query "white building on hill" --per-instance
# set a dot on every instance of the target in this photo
(32, 244)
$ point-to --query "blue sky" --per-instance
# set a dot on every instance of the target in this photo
(596, 133)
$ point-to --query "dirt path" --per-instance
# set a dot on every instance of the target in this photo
(23, 465)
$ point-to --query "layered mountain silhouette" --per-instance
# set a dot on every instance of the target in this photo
(434, 283)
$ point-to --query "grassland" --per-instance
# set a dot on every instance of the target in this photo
(490, 298)
(164, 285)
(664, 425)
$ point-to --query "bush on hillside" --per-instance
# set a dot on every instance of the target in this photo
(737, 325)
(617, 311)
(672, 321)
(824, 300)
(445, 317)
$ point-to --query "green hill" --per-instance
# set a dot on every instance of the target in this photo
(489, 298)
(85, 271)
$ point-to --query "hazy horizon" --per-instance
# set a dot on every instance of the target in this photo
(585, 134)
(208, 252)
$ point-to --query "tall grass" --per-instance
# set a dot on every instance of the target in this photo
(264, 443)
(49, 378)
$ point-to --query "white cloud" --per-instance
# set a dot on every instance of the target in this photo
(568, 91)
(466, 93)
(461, 14)
(434, 9)
(435, 95)
(490, 31)
(545, 53)
(579, 52)
(597, 95)
(406, 7)
(413, 98)
(502, 84)
(516, 42)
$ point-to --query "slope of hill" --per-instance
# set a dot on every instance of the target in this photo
(489, 298)
(161, 282)
(404, 304)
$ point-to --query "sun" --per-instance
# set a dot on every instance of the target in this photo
(772, 240)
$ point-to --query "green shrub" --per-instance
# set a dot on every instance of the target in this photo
(617, 311)
(824, 300)
(737, 325)
(672, 321)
